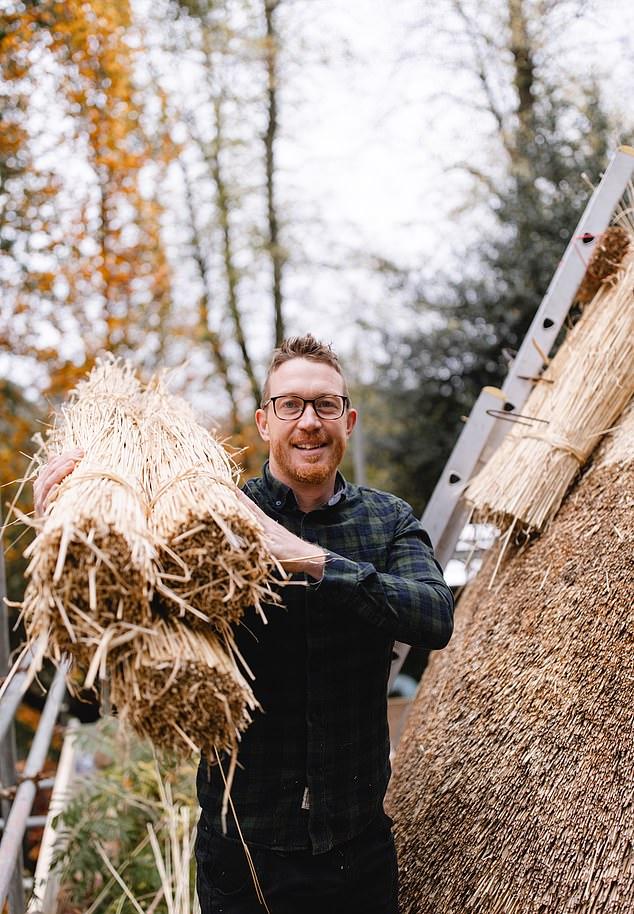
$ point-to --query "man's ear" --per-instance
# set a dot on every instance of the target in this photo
(262, 422)
(351, 421)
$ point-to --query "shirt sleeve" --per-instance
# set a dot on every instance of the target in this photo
(410, 600)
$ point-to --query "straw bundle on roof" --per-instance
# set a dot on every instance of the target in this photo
(213, 556)
(512, 789)
(91, 564)
(604, 264)
(180, 689)
(592, 378)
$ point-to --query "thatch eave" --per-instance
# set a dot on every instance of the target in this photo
(513, 784)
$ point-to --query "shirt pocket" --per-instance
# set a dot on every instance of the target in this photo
(222, 865)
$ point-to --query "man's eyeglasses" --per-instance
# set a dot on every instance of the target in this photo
(330, 406)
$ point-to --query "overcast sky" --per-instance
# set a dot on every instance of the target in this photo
(373, 142)
(368, 139)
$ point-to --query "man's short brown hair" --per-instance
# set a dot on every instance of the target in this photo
(302, 347)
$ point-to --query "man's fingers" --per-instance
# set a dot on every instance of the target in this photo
(64, 457)
(59, 464)
(52, 474)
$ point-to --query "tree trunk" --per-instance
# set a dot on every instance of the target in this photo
(275, 250)
(211, 153)
(205, 333)
(521, 48)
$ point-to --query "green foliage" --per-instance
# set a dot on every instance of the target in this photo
(433, 376)
(110, 812)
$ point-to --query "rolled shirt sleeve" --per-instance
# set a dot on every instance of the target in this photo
(409, 599)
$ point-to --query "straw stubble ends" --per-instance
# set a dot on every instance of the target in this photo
(140, 549)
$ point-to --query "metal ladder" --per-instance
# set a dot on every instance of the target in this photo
(446, 513)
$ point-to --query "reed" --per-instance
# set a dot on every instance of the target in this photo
(604, 264)
(512, 787)
(591, 380)
(182, 690)
(213, 562)
(92, 563)
(145, 559)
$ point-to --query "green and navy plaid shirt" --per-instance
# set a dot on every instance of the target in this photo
(314, 764)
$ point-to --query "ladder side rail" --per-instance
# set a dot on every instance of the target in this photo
(15, 889)
(10, 700)
(46, 881)
(11, 844)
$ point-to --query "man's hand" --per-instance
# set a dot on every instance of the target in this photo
(51, 475)
(293, 553)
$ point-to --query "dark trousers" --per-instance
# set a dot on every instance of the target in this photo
(358, 877)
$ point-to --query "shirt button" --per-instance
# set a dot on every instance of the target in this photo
(278, 503)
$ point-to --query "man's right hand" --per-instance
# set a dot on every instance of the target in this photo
(51, 475)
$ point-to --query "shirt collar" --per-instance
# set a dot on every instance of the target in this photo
(282, 495)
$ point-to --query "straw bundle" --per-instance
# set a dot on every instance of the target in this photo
(92, 562)
(604, 264)
(512, 786)
(180, 689)
(143, 542)
(212, 556)
(592, 378)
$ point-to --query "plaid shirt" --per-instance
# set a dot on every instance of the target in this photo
(321, 668)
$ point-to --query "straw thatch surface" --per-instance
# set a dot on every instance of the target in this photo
(180, 689)
(212, 554)
(512, 789)
(92, 562)
(586, 387)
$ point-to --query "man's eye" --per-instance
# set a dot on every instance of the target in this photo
(328, 403)
(289, 403)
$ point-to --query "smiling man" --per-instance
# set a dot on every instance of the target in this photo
(314, 766)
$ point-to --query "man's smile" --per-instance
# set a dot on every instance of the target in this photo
(310, 447)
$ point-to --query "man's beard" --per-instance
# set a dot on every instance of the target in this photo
(310, 473)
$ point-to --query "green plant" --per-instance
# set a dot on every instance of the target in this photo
(124, 819)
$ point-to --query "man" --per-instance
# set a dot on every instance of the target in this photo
(314, 765)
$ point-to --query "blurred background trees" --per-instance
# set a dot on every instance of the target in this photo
(547, 135)
(160, 197)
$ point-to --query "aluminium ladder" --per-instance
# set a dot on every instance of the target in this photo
(446, 513)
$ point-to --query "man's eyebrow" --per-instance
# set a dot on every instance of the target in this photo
(302, 397)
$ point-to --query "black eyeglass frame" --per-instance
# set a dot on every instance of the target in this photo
(346, 404)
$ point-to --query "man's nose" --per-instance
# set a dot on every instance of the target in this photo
(309, 418)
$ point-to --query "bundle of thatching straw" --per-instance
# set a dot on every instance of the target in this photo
(212, 556)
(182, 690)
(579, 398)
(144, 559)
(512, 784)
(92, 563)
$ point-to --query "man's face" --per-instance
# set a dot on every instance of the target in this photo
(308, 449)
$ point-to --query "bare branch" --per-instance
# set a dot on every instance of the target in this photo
(481, 69)
(205, 332)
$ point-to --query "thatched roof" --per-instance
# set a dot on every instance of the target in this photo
(513, 788)
(579, 397)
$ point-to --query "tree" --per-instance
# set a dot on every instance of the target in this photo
(231, 119)
(82, 262)
(276, 254)
(93, 263)
(546, 136)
